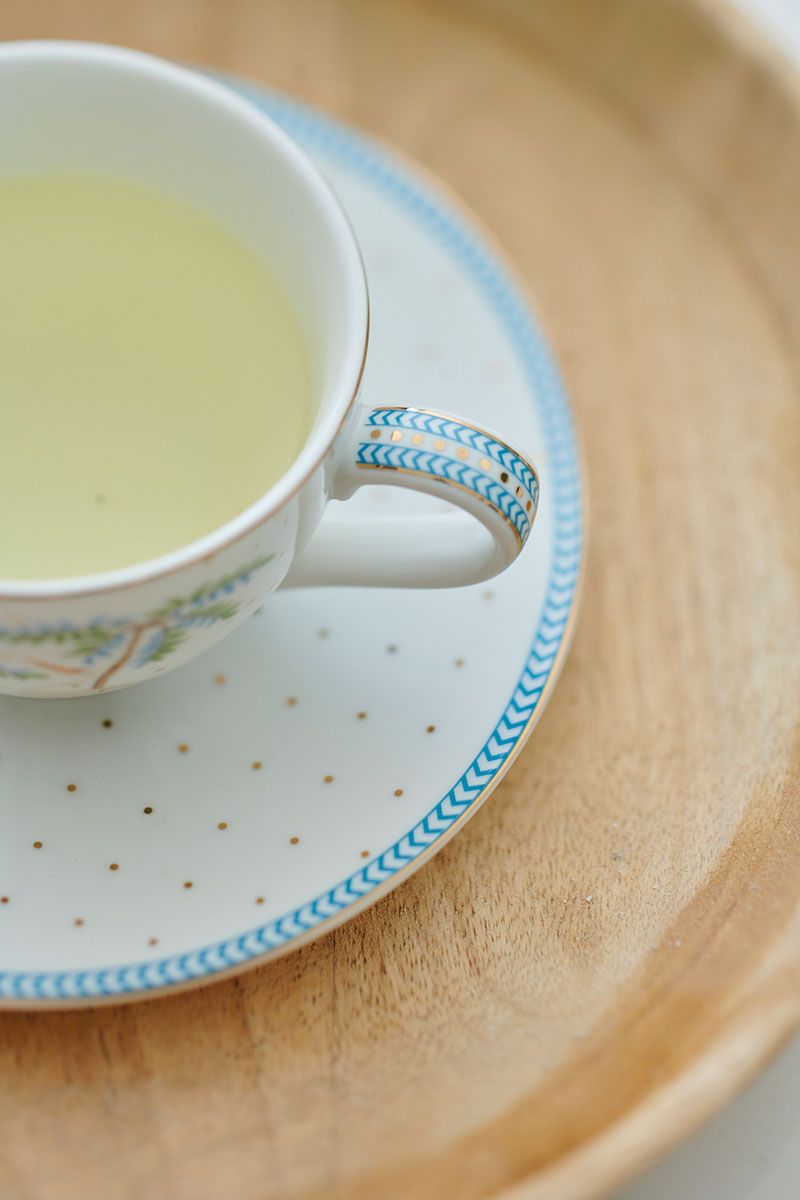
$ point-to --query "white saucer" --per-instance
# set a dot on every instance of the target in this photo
(267, 791)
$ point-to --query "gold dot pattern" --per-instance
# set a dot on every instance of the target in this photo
(4, 899)
(107, 723)
(430, 728)
(38, 845)
(328, 779)
(152, 941)
(72, 787)
(361, 716)
(183, 747)
(220, 680)
(188, 884)
(291, 701)
(376, 433)
(79, 921)
(222, 825)
(398, 791)
(294, 841)
(259, 899)
(462, 452)
(365, 853)
(148, 809)
(417, 439)
(397, 435)
(113, 866)
(256, 765)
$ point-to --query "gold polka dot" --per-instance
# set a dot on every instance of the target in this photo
(529, 506)
(504, 476)
(439, 444)
(152, 941)
(398, 791)
(417, 439)
(293, 841)
(291, 701)
(113, 866)
(376, 433)
(520, 492)
(72, 787)
(78, 921)
(259, 899)
(222, 825)
(147, 810)
(107, 723)
(37, 845)
(462, 452)
(430, 728)
(397, 435)
(365, 853)
(219, 680)
(256, 765)
(361, 716)
(184, 748)
(328, 779)
(488, 594)
(188, 883)
(485, 464)
(3, 899)
(459, 662)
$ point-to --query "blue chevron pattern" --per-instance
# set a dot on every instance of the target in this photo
(440, 466)
(328, 140)
(421, 421)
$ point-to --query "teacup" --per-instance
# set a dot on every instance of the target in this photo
(105, 109)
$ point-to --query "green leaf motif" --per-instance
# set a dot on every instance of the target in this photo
(169, 642)
(91, 640)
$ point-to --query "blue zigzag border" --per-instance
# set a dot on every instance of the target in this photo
(327, 139)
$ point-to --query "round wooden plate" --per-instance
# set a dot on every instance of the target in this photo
(614, 943)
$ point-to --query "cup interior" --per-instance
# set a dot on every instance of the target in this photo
(104, 110)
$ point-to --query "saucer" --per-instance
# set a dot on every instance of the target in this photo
(262, 794)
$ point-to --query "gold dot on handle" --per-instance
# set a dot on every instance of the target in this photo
(113, 866)
(219, 680)
(485, 464)
(38, 845)
(376, 433)
(147, 810)
(439, 444)
(462, 452)
(72, 787)
(417, 439)
(188, 884)
(183, 748)
(430, 729)
(529, 506)
(365, 853)
(293, 841)
(520, 492)
(397, 435)
(291, 701)
(504, 476)
(398, 791)
(328, 779)
(256, 765)
(222, 825)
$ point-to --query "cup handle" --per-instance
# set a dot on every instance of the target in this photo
(429, 452)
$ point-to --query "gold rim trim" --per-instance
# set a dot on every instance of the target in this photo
(332, 923)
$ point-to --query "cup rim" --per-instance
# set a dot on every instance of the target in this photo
(355, 294)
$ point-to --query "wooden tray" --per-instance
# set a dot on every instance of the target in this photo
(613, 944)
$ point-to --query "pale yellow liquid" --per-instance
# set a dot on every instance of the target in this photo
(153, 377)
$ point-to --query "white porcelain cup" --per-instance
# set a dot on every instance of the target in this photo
(102, 109)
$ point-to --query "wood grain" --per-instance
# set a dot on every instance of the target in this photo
(614, 942)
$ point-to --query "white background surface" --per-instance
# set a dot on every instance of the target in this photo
(752, 1150)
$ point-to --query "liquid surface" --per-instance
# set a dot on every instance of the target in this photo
(153, 377)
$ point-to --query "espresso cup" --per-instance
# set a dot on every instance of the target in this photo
(87, 108)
